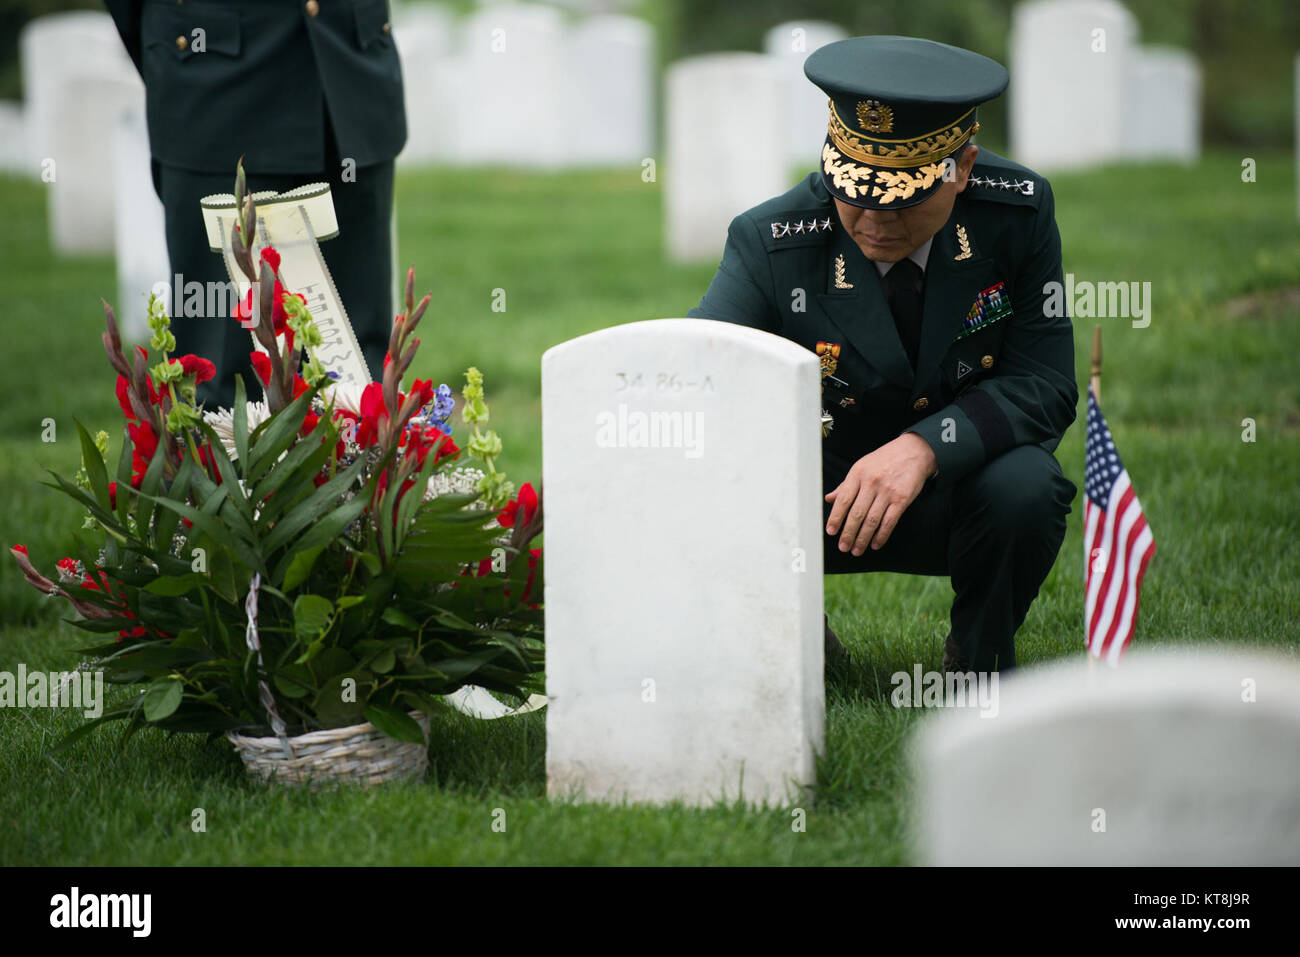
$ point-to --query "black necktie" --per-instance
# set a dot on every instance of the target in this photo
(903, 286)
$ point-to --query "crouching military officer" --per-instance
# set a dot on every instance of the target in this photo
(305, 91)
(946, 385)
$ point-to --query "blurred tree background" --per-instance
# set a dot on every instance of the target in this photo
(1246, 47)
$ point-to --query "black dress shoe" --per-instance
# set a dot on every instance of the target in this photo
(954, 659)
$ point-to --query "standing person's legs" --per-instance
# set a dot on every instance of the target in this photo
(360, 257)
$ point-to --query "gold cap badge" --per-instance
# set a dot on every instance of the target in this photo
(875, 117)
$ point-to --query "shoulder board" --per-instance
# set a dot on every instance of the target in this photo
(796, 227)
(1019, 188)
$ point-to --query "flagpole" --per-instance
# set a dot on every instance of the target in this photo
(1095, 372)
(1094, 382)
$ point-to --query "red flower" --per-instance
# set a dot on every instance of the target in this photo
(527, 499)
(423, 388)
(262, 366)
(277, 308)
(421, 441)
(67, 565)
(20, 549)
(373, 414)
(145, 445)
(271, 258)
(124, 397)
(308, 423)
(534, 555)
(243, 311)
(112, 495)
(199, 367)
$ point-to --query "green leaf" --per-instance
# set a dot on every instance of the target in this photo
(173, 586)
(294, 682)
(275, 435)
(394, 722)
(311, 615)
(96, 471)
(240, 421)
(300, 567)
(395, 616)
(162, 698)
(317, 504)
(348, 601)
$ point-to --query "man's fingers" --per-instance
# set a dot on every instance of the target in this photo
(844, 495)
(887, 526)
(868, 528)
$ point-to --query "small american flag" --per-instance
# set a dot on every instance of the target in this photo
(1116, 540)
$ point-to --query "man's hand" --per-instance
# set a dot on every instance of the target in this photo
(877, 490)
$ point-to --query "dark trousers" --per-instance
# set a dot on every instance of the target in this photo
(995, 533)
(359, 259)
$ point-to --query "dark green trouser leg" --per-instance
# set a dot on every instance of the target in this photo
(996, 533)
(359, 259)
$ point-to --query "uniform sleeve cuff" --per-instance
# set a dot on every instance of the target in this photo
(956, 443)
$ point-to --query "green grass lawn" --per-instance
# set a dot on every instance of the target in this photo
(576, 252)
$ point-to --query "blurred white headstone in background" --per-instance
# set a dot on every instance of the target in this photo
(510, 99)
(684, 628)
(727, 143)
(88, 110)
(609, 103)
(139, 227)
(1069, 90)
(1175, 758)
(78, 82)
(806, 110)
(15, 157)
(424, 34)
(1163, 119)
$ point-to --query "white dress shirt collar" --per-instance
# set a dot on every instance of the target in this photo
(920, 256)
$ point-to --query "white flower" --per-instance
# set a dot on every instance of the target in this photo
(458, 481)
(223, 423)
(345, 397)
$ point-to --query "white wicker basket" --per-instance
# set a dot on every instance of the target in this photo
(359, 752)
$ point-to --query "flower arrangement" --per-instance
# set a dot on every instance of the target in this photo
(318, 558)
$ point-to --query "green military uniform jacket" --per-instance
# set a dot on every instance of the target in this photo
(994, 370)
(266, 68)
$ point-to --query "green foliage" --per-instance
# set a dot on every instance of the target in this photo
(294, 530)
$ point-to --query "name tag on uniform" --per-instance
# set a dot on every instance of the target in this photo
(990, 306)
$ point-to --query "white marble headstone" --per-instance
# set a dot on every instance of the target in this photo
(423, 34)
(683, 564)
(609, 103)
(1173, 758)
(81, 204)
(806, 110)
(1069, 81)
(139, 226)
(725, 152)
(509, 109)
(1163, 121)
(14, 154)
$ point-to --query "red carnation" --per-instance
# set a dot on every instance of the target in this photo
(262, 366)
(199, 367)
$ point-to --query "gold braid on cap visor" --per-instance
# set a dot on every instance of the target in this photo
(901, 154)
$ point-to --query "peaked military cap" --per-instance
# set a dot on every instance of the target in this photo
(898, 107)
